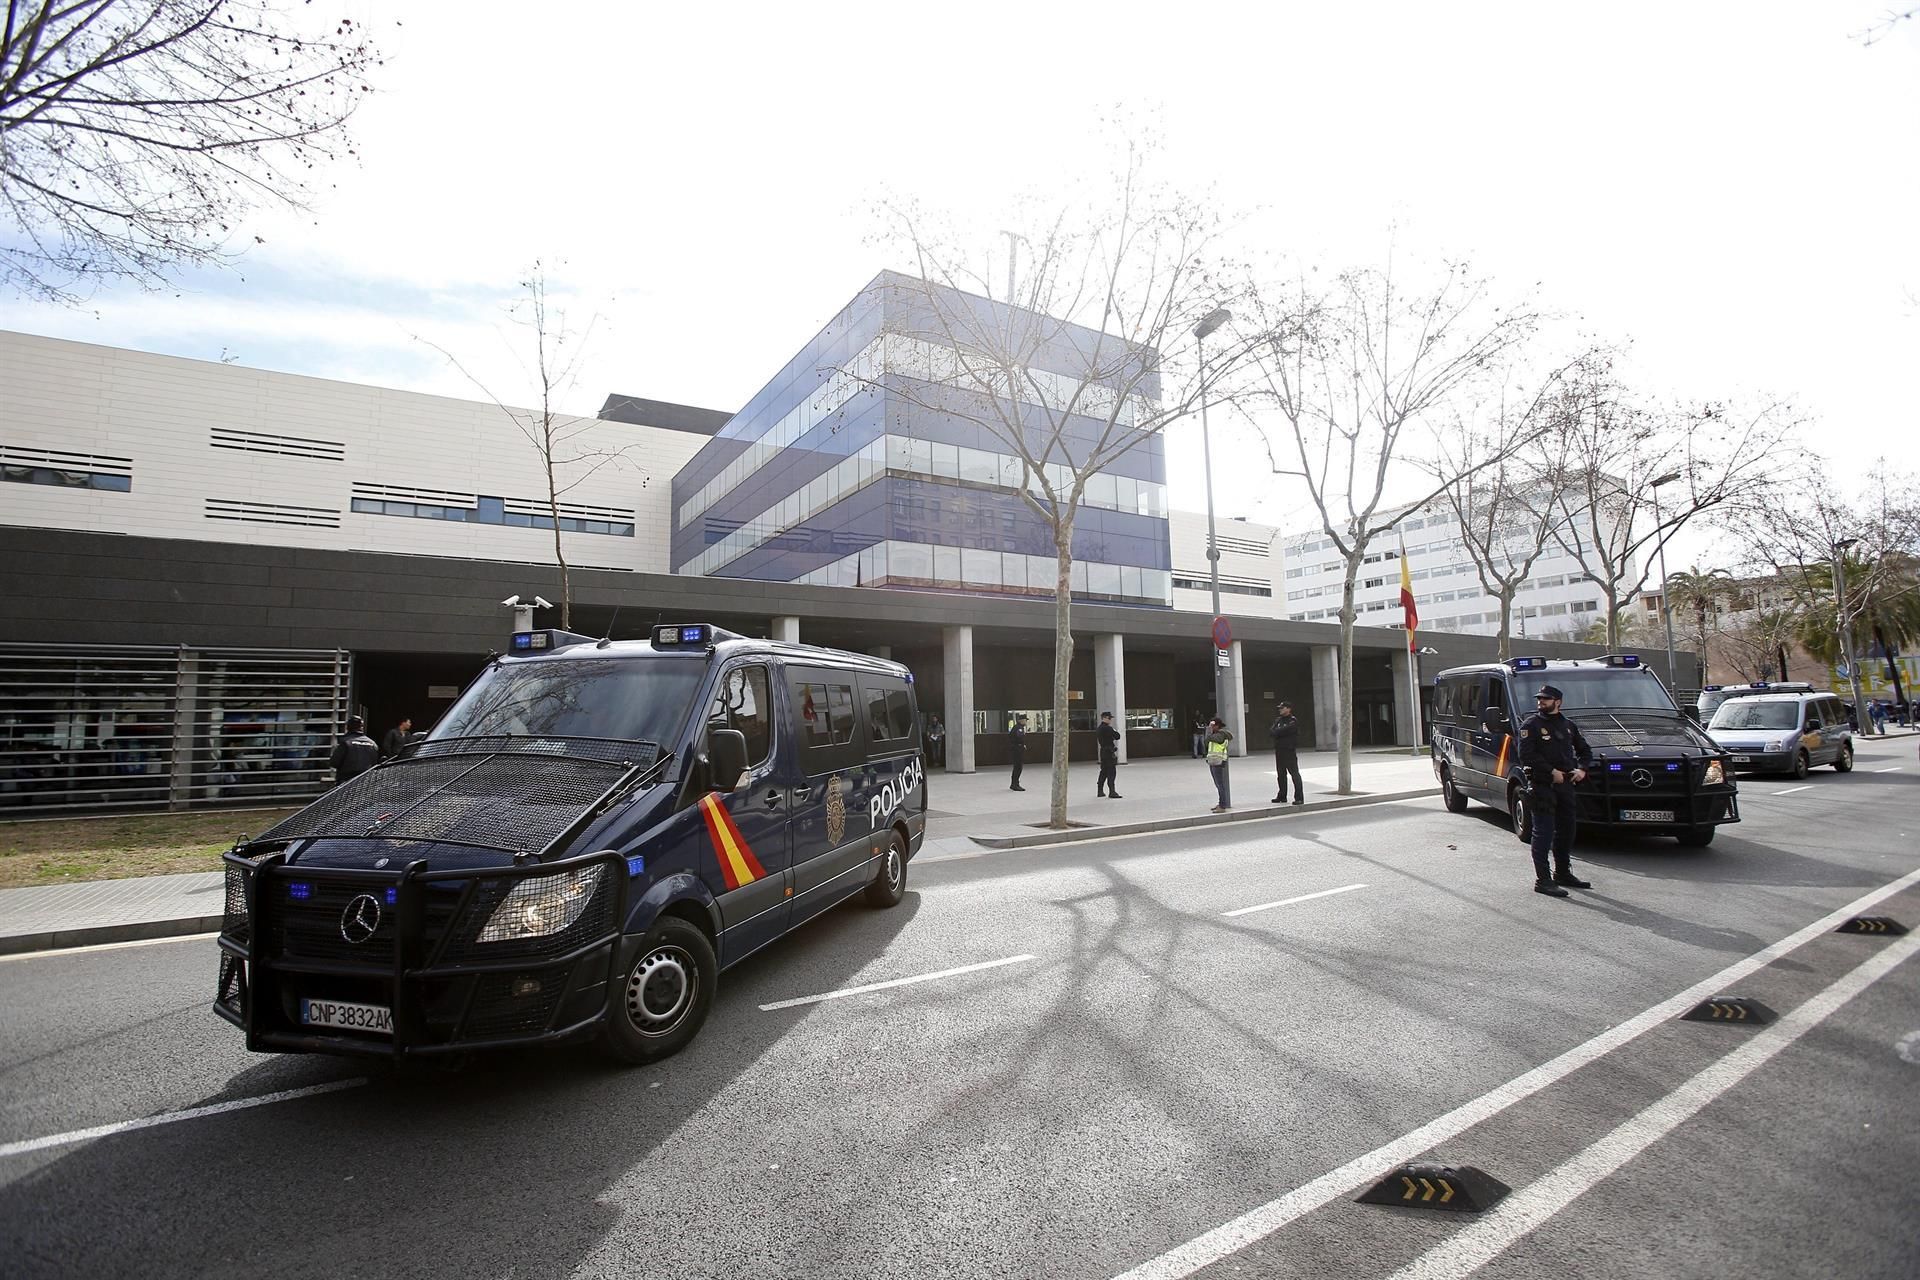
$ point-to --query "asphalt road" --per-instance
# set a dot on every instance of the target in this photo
(1156, 1081)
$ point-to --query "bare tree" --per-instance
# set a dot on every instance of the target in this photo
(1505, 509)
(1347, 373)
(135, 133)
(1087, 354)
(1637, 475)
(569, 446)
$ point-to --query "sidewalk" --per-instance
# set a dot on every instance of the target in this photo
(970, 814)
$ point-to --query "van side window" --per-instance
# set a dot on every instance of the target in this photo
(826, 713)
(899, 714)
(877, 714)
(743, 703)
(1496, 694)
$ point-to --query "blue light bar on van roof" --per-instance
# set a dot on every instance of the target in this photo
(1759, 684)
(1714, 688)
(1528, 664)
(531, 641)
(678, 636)
(1623, 659)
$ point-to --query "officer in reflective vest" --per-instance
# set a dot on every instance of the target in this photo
(1556, 758)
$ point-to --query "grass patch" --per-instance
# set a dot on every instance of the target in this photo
(70, 850)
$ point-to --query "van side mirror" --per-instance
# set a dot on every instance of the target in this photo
(1497, 717)
(1691, 713)
(1813, 723)
(726, 758)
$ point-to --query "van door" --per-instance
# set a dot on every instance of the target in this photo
(830, 837)
(1494, 744)
(749, 828)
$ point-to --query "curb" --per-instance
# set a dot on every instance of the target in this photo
(139, 931)
(1195, 820)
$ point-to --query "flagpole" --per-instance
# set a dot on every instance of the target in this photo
(1413, 687)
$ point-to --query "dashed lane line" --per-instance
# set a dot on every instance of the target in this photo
(1790, 790)
(897, 982)
(1287, 902)
(1256, 1224)
(1892, 768)
(172, 1117)
(1519, 1214)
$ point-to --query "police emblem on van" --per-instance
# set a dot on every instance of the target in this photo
(836, 811)
(893, 794)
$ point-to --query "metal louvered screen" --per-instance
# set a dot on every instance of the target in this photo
(102, 728)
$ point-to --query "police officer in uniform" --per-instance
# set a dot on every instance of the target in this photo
(1555, 757)
(354, 753)
(1109, 736)
(1017, 746)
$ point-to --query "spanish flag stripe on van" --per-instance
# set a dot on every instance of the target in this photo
(1500, 766)
(738, 866)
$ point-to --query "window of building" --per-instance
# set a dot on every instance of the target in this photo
(64, 470)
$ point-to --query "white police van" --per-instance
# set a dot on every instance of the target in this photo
(588, 838)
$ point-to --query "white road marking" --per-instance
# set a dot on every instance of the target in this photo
(1258, 1223)
(106, 946)
(1892, 768)
(1527, 1209)
(1287, 902)
(897, 982)
(172, 1117)
(1790, 790)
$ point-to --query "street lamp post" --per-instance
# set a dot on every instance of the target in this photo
(1666, 605)
(1221, 674)
(1846, 633)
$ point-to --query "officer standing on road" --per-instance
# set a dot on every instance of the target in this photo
(1286, 754)
(1109, 736)
(1556, 757)
(354, 753)
(1017, 746)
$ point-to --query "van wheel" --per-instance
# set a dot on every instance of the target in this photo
(1802, 765)
(1843, 763)
(1522, 816)
(1697, 837)
(1455, 802)
(891, 884)
(663, 1000)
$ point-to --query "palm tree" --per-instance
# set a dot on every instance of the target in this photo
(1885, 606)
(1701, 592)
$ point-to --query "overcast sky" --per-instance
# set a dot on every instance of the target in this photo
(1729, 186)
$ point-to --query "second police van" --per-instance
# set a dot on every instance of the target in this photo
(1655, 770)
(588, 838)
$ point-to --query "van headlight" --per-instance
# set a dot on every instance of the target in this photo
(1715, 775)
(542, 905)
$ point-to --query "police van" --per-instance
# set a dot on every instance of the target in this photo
(1713, 695)
(589, 837)
(1655, 770)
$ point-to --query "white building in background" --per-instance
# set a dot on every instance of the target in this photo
(1250, 565)
(1555, 602)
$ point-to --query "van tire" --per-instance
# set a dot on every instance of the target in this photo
(660, 1003)
(1802, 764)
(1451, 795)
(1697, 837)
(1843, 763)
(1522, 816)
(890, 885)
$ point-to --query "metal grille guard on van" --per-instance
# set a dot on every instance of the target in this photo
(1673, 783)
(415, 941)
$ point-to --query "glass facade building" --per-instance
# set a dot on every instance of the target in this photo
(846, 469)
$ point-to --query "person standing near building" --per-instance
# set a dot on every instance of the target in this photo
(1108, 785)
(397, 737)
(1199, 738)
(1218, 737)
(936, 742)
(354, 753)
(1556, 757)
(1286, 754)
(1017, 747)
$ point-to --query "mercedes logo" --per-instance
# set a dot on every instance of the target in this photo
(360, 919)
(1642, 778)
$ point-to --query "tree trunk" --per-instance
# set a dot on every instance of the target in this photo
(1344, 784)
(559, 556)
(1062, 663)
(1783, 661)
(1613, 621)
(1893, 665)
(1506, 624)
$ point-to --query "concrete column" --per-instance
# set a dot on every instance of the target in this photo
(787, 630)
(1236, 712)
(1110, 683)
(1402, 700)
(186, 696)
(883, 651)
(1326, 696)
(957, 643)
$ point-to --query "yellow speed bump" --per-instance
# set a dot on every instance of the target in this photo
(1735, 1010)
(1882, 925)
(1454, 1188)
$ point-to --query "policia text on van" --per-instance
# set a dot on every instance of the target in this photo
(1655, 770)
(591, 834)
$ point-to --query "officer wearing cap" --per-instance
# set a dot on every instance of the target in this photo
(1555, 757)
(1017, 747)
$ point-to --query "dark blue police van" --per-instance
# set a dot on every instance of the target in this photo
(1655, 770)
(591, 834)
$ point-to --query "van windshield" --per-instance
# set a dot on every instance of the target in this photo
(1748, 713)
(1614, 688)
(631, 700)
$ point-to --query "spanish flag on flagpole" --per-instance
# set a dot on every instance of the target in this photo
(1406, 598)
